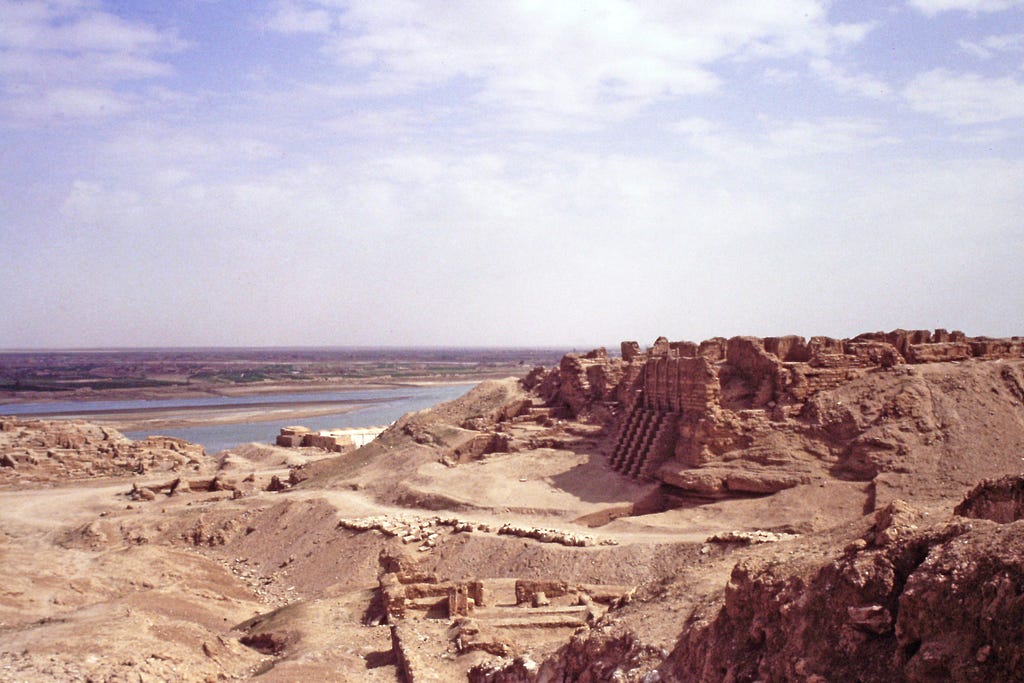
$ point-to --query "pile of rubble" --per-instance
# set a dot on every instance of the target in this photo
(751, 537)
(547, 535)
(427, 530)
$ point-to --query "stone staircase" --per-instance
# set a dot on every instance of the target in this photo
(645, 440)
(661, 448)
(537, 411)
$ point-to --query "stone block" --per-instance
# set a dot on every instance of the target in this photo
(630, 350)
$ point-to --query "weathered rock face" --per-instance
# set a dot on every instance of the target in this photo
(907, 601)
(753, 416)
(961, 614)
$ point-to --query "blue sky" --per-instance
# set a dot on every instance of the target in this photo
(293, 172)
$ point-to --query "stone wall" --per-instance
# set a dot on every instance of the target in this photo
(333, 440)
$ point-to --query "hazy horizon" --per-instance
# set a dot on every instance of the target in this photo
(312, 347)
(611, 348)
(398, 173)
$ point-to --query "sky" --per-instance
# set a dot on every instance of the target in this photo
(514, 173)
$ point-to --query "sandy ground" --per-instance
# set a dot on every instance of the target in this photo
(185, 416)
(174, 584)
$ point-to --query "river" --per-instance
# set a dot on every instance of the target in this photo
(388, 406)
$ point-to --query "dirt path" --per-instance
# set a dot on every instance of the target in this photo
(24, 514)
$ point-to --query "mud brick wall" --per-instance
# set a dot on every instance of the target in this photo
(680, 385)
(789, 349)
(997, 348)
(938, 352)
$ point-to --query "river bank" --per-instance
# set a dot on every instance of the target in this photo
(140, 419)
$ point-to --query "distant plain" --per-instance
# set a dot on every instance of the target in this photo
(219, 397)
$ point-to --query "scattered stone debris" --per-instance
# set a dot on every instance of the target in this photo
(425, 530)
(750, 537)
(547, 535)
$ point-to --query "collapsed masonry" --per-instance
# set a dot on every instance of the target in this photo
(45, 450)
(433, 620)
(749, 415)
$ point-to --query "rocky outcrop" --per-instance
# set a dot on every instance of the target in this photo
(477, 424)
(604, 653)
(881, 608)
(961, 613)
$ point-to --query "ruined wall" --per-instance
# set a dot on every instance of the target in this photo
(680, 384)
(583, 385)
(708, 404)
(334, 440)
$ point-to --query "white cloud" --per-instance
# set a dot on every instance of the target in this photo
(780, 76)
(864, 85)
(966, 98)
(176, 156)
(378, 122)
(815, 138)
(66, 58)
(575, 62)
(61, 40)
(72, 104)
(290, 17)
(989, 46)
(828, 136)
(383, 185)
(50, 67)
(695, 125)
(556, 247)
(987, 136)
(933, 7)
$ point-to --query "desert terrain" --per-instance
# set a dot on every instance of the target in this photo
(740, 509)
